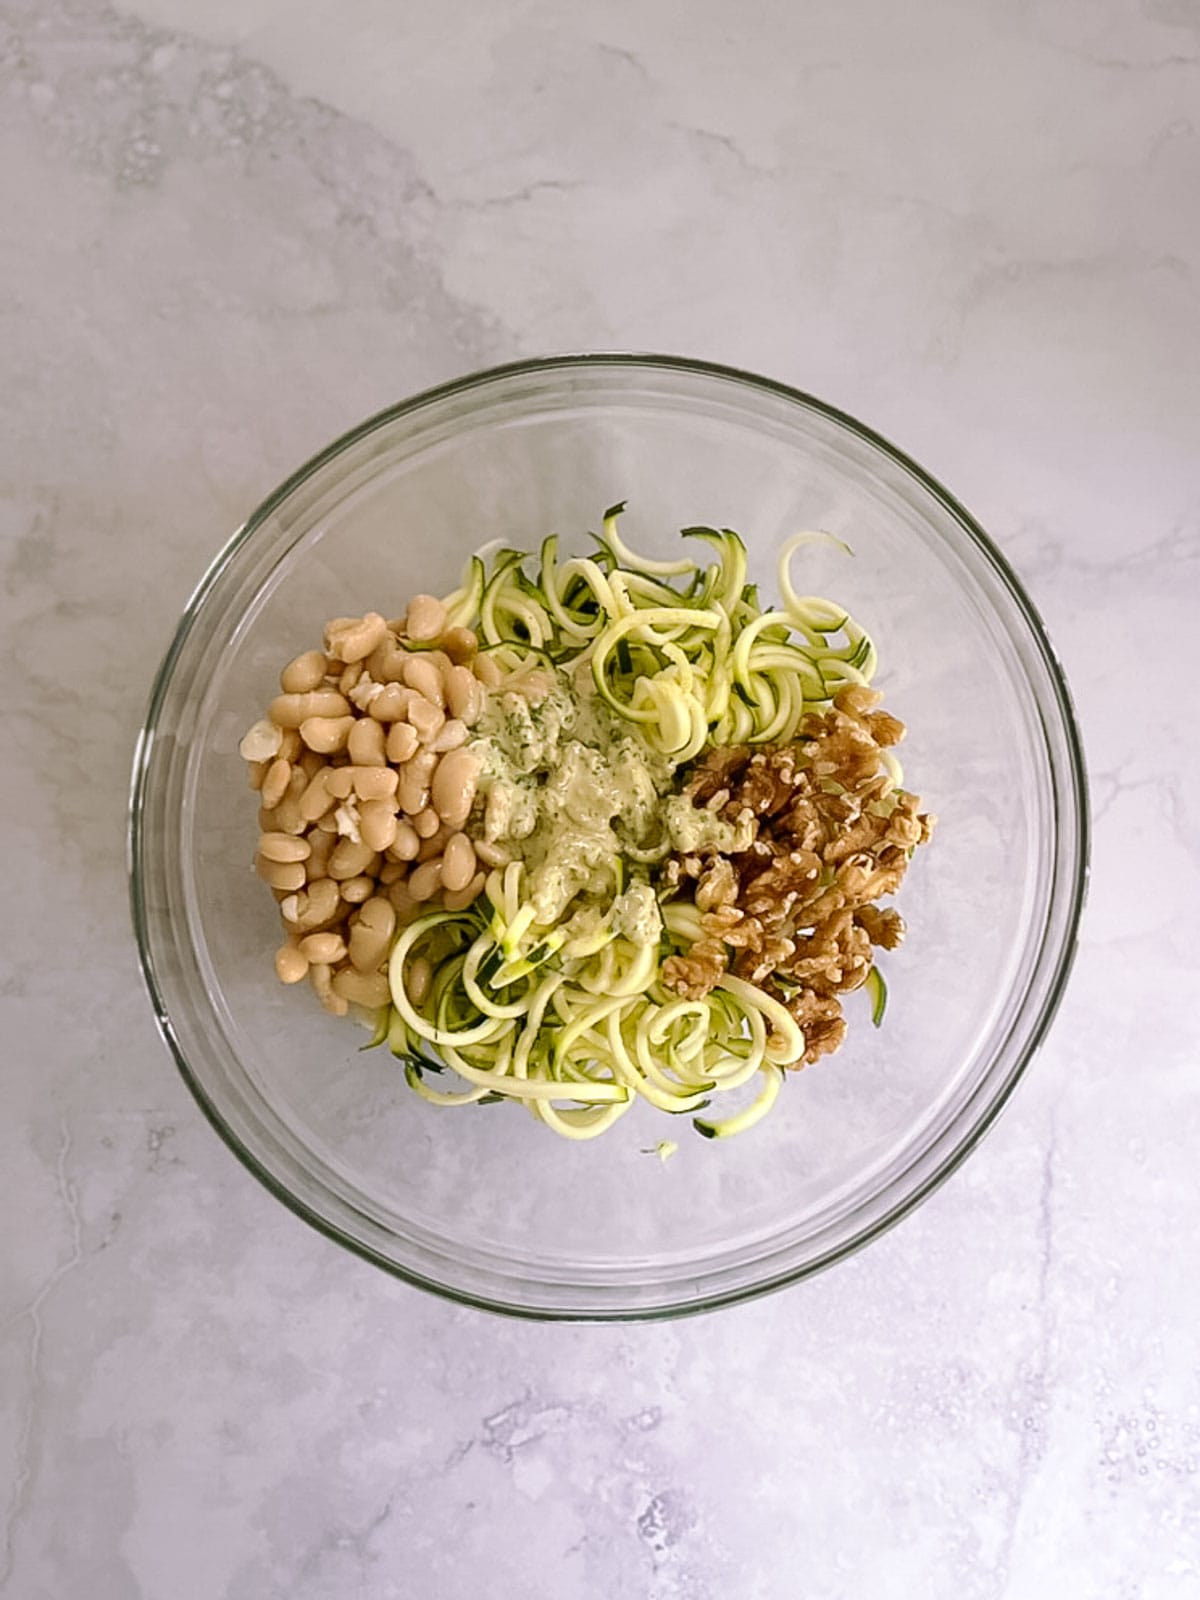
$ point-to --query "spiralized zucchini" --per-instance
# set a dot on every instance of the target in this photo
(575, 1024)
(575, 1038)
(694, 662)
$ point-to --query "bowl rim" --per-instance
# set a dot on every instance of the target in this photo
(1077, 796)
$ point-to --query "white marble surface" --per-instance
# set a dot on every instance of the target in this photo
(230, 229)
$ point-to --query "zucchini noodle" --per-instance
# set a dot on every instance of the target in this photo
(692, 663)
(570, 1018)
(576, 1046)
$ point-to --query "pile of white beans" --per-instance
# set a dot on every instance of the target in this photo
(365, 785)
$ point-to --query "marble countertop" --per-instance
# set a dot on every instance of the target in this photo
(229, 230)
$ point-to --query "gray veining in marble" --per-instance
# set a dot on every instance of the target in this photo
(229, 230)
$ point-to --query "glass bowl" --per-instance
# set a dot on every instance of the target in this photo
(483, 1204)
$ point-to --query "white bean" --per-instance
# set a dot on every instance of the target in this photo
(283, 847)
(372, 933)
(426, 718)
(352, 639)
(407, 842)
(368, 989)
(261, 742)
(453, 786)
(305, 673)
(460, 899)
(377, 823)
(422, 675)
(290, 964)
(426, 823)
(365, 743)
(290, 710)
(426, 617)
(327, 947)
(402, 742)
(425, 881)
(275, 782)
(326, 735)
(464, 694)
(458, 862)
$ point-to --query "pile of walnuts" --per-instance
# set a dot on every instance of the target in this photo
(796, 913)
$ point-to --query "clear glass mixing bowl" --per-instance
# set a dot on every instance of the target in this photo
(483, 1204)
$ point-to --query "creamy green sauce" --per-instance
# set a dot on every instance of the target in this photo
(574, 792)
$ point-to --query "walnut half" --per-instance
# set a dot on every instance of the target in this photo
(796, 911)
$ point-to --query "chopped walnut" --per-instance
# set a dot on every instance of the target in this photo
(795, 911)
(717, 885)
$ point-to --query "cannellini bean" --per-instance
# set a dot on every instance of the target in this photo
(452, 734)
(421, 674)
(460, 644)
(291, 710)
(458, 862)
(348, 678)
(356, 890)
(317, 797)
(402, 742)
(365, 743)
(327, 947)
(291, 965)
(257, 771)
(321, 904)
(340, 782)
(464, 694)
(391, 666)
(368, 783)
(371, 934)
(305, 673)
(425, 881)
(262, 741)
(326, 735)
(375, 783)
(350, 860)
(426, 823)
(287, 812)
(321, 844)
(291, 745)
(352, 639)
(275, 782)
(400, 898)
(426, 718)
(321, 976)
(283, 847)
(377, 823)
(390, 704)
(426, 617)
(391, 871)
(487, 671)
(407, 842)
(418, 975)
(453, 786)
(415, 778)
(289, 907)
(435, 844)
(310, 763)
(361, 988)
(460, 899)
(374, 662)
(286, 875)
